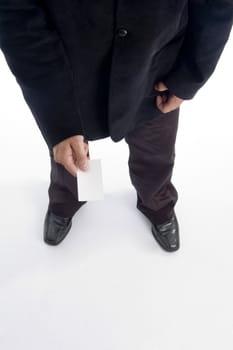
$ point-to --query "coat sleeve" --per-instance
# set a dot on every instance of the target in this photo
(208, 29)
(36, 57)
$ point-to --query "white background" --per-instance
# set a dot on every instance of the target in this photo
(108, 285)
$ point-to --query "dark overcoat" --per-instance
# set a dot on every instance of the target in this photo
(89, 66)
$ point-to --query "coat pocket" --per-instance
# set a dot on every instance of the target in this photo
(164, 60)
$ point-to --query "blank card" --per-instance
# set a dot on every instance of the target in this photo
(90, 182)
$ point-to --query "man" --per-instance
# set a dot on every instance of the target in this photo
(93, 69)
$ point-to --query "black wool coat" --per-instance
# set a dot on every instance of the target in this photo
(89, 66)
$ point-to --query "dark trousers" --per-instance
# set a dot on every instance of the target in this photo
(151, 161)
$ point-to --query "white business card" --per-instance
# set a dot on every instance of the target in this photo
(90, 182)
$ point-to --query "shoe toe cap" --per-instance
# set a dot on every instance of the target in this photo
(167, 235)
(55, 229)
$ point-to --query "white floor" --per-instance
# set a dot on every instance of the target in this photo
(109, 286)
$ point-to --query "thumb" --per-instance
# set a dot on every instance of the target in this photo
(160, 86)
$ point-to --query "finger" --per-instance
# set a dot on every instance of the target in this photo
(86, 151)
(70, 166)
(160, 86)
(169, 105)
(160, 101)
(172, 103)
(80, 154)
(64, 156)
(60, 154)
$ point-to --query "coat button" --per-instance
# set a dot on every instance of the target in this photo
(122, 32)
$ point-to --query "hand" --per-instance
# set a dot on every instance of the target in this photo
(72, 153)
(166, 103)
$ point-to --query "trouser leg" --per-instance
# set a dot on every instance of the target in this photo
(63, 190)
(151, 162)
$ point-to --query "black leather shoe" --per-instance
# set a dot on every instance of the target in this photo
(56, 228)
(167, 234)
